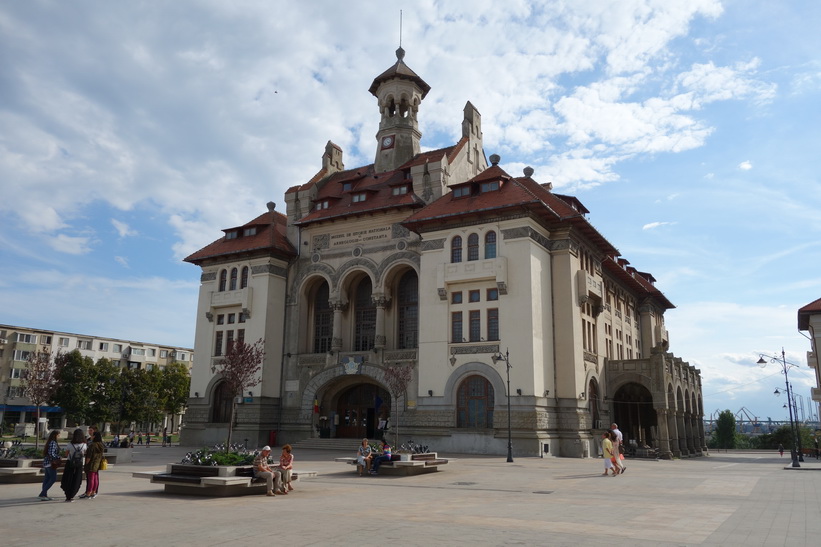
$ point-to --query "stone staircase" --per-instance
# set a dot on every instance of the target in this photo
(340, 445)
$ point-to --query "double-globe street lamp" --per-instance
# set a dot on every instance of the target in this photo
(506, 358)
(791, 401)
(785, 367)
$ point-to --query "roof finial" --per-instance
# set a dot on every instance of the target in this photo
(400, 53)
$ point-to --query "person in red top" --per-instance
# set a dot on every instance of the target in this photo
(286, 465)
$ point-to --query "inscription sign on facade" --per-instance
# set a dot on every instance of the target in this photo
(360, 236)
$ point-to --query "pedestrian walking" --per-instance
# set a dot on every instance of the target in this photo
(51, 462)
(781, 449)
(140, 438)
(618, 447)
(164, 436)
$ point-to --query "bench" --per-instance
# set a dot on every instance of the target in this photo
(418, 464)
(219, 481)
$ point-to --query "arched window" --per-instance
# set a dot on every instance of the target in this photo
(456, 249)
(490, 245)
(364, 316)
(593, 403)
(233, 285)
(243, 280)
(475, 403)
(408, 311)
(323, 319)
(223, 279)
(222, 402)
(473, 247)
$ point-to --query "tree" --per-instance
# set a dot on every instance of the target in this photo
(398, 377)
(174, 385)
(239, 369)
(725, 430)
(76, 382)
(104, 397)
(41, 382)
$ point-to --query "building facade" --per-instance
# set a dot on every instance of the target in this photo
(809, 319)
(497, 292)
(16, 343)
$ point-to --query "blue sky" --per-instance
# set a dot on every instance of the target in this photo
(133, 132)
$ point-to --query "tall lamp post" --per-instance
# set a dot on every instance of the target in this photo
(791, 402)
(785, 367)
(506, 358)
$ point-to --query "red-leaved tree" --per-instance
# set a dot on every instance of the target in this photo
(41, 382)
(398, 377)
(239, 370)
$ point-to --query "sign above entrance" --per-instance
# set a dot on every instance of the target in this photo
(352, 364)
(360, 236)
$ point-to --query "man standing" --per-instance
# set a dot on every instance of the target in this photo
(617, 448)
(262, 469)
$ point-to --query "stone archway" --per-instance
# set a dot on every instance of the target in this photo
(635, 414)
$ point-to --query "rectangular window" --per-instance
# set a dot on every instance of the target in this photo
(249, 232)
(456, 327)
(137, 351)
(490, 186)
(456, 298)
(218, 344)
(63, 342)
(118, 348)
(151, 352)
(323, 205)
(18, 373)
(45, 339)
(241, 335)
(231, 318)
(357, 198)
(163, 354)
(475, 325)
(474, 296)
(492, 294)
(400, 190)
(229, 341)
(15, 392)
(231, 235)
(461, 191)
(149, 366)
(84, 344)
(240, 317)
(182, 356)
(20, 355)
(346, 186)
(493, 324)
(220, 319)
(103, 346)
(26, 338)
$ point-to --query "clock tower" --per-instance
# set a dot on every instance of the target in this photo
(398, 91)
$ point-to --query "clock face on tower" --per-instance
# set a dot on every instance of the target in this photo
(387, 141)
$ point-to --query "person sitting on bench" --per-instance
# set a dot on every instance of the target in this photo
(385, 457)
(262, 469)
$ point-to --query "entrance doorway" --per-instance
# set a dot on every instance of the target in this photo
(634, 412)
(360, 409)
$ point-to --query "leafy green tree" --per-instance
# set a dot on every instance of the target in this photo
(104, 396)
(76, 383)
(725, 430)
(174, 386)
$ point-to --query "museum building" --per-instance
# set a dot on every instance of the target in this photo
(516, 317)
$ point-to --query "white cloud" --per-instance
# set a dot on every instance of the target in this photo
(73, 245)
(745, 165)
(654, 225)
(122, 261)
(123, 230)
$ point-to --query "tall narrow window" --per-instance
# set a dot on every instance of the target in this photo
(365, 317)
(233, 285)
(241, 335)
(456, 327)
(323, 320)
(490, 245)
(243, 280)
(223, 280)
(456, 249)
(408, 311)
(473, 247)
(222, 403)
(218, 344)
(475, 325)
(229, 341)
(474, 403)
(493, 324)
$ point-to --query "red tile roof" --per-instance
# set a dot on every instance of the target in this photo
(637, 281)
(270, 238)
(402, 71)
(804, 314)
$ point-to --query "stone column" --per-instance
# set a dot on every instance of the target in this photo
(336, 340)
(682, 433)
(673, 428)
(664, 434)
(381, 302)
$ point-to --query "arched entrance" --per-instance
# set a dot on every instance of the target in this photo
(635, 414)
(360, 408)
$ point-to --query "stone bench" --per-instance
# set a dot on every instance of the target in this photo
(219, 481)
(416, 465)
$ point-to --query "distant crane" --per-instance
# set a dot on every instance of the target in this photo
(752, 420)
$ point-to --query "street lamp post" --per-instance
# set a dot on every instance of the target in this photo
(506, 359)
(795, 453)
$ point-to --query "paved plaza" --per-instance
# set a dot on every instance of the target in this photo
(725, 499)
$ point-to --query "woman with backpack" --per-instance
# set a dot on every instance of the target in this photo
(75, 460)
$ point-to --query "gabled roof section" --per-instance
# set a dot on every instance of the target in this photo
(402, 71)
(269, 239)
(804, 314)
(635, 280)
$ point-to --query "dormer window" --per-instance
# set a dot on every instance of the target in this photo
(462, 191)
(323, 205)
(400, 190)
(249, 231)
(346, 186)
(357, 198)
(489, 186)
(231, 234)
